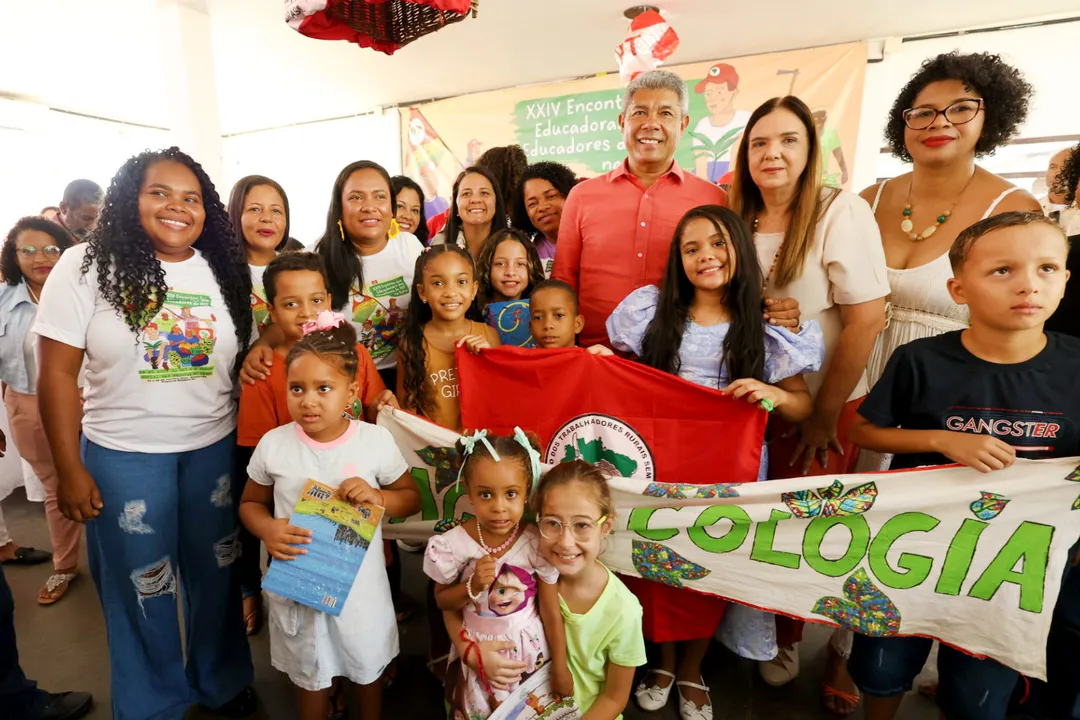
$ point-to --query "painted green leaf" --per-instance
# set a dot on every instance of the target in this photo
(662, 564)
(1076, 503)
(854, 502)
(446, 462)
(864, 609)
(1074, 476)
(802, 503)
(989, 505)
(684, 491)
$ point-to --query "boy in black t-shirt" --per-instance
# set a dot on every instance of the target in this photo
(979, 397)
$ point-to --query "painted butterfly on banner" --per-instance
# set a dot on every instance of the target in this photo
(831, 501)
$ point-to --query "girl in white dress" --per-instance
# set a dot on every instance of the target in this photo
(365, 466)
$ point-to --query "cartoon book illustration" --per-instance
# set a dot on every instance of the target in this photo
(534, 700)
(340, 535)
(511, 319)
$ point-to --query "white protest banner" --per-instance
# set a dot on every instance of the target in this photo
(972, 560)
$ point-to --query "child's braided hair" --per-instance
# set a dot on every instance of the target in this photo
(338, 344)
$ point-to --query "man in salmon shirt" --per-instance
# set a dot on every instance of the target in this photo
(617, 228)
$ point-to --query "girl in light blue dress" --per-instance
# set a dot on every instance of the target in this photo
(705, 324)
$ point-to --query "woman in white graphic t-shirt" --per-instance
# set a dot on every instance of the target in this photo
(369, 267)
(156, 301)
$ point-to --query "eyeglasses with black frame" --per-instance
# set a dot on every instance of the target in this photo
(29, 251)
(959, 113)
(582, 528)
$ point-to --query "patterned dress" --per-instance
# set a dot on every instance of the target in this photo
(508, 610)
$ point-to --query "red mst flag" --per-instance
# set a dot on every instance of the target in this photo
(633, 420)
(641, 422)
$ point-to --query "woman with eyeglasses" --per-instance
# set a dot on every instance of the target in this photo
(31, 250)
(956, 108)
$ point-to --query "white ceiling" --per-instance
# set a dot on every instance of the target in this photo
(104, 58)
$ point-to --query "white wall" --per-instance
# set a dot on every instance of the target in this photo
(41, 151)
(307, 158)
(1047, 57)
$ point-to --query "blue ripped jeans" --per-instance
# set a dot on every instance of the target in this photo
(168, 525)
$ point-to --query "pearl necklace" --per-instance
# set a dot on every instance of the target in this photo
(496, 550)
(907, 226)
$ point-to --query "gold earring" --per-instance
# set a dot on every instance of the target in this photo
(395, 228)
(341, 229)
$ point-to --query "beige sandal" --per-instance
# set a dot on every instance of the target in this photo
(56, 587)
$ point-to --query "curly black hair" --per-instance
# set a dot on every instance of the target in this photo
(561, 178)
(1068, 178)
(412, 353)
(130, 277)
(506, 164)
(1004, 90)
(9, 264)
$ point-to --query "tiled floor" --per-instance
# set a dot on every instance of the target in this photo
(64, 648)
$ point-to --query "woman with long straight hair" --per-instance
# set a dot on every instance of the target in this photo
(822, 247)
(477, 211)
(703, 323)
(369, 264)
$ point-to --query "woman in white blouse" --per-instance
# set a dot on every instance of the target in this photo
(822, 247)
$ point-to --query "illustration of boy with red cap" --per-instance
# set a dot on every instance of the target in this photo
(715, 136)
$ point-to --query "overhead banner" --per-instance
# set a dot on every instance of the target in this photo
(576, 122)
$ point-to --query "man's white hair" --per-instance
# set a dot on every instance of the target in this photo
(659, 80)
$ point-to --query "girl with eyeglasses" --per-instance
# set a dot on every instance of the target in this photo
(31, 250)
(604, 639)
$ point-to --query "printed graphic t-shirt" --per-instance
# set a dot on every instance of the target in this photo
(937, 384)
(166, 390)
(442, 380)
(260, 309)
(378, 309)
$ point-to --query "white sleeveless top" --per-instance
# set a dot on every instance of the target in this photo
(919, 302)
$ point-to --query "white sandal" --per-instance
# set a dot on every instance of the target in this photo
(651, 698)
(690, 711)
(53, 584)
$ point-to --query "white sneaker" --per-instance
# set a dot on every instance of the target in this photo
(652, 697)
(690, 711)
(783, 668)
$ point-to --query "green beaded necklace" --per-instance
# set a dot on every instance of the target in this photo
(907, 226)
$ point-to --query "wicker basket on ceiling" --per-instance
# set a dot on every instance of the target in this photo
(387, 25)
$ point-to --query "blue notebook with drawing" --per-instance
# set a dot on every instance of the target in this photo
(340, 535)
(511, 319)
